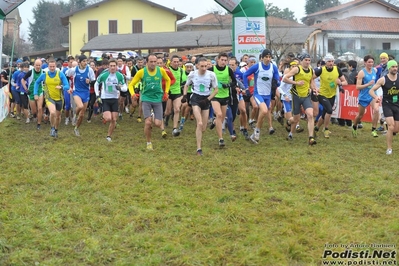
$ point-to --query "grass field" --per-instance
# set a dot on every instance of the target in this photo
(84, 201)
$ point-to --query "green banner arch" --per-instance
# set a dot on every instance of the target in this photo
(249, 25)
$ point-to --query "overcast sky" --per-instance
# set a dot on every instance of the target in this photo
(193, 8)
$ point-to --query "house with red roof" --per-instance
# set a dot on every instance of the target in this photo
(360, 26)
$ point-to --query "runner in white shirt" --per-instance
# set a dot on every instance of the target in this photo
(202, 81)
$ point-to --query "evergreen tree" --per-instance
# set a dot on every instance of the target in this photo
(7, 45)
(46, 31)
(313, 6)
(275, 11)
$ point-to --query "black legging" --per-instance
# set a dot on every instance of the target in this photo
(327, 103)
(91, 104)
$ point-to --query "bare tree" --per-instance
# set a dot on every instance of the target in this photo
(221, 16)
(281, 43)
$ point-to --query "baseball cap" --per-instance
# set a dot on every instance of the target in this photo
(242, 64)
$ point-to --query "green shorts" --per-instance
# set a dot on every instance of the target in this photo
(32, 96)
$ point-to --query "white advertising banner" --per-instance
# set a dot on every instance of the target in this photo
(229, 5)
(249, 35)
(4, 103)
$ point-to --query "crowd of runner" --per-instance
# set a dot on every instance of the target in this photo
(215, 92)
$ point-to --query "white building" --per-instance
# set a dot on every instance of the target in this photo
(360, 26)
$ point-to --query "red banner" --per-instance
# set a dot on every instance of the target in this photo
(347, 105)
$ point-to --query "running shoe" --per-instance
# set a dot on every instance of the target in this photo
(374, 133)
(254, 139)
(299, 129)
(199, 152)
(327, 133)
(27, 121)
(233, 138)
(67, 121)
(221, 143)
(108, 138)
(271, 131)
(77, 133)
(52, 132)
(38, 127)
(289, 137)
(312, 141)
(252, 124)
(212, 124)
(149, 147)
(175, 132)
(280, 119)
(389, 151)
(164, 134)
(139, 120)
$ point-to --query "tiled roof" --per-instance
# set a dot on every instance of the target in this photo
(361, 24)
(352, 4)
(217, 19)
(208, 19)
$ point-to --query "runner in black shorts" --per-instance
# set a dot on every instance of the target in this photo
(202, 81)
(390, 100)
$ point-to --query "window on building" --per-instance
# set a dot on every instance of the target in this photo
(137, 26)
(386, 46)
(93, 29)
(331, 46)
(113, 26)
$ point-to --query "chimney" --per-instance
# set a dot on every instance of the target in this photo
(191, 18)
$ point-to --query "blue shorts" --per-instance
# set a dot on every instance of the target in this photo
(67, 101)
(84, 95)
(287, 106)
(263, 99)
(16, 97)
(365, 102)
